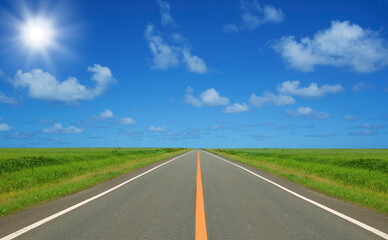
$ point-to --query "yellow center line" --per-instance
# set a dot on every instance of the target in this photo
(200, 222)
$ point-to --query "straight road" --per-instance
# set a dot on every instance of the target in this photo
(221, 201)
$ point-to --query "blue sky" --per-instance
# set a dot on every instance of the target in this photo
(266, 74)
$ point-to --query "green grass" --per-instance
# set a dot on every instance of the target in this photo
(359, 176)
(29, 177)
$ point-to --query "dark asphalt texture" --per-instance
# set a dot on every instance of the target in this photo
(161, 205)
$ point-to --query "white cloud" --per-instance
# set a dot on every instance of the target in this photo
(220, 127)
(164, 55)
(341, 45)
(254, 125)
(306, 112)
(178, 38)
(293, 88)
(157, 128)
(190, 99)
(43, 85)
(262, 136)
(127, 121)
(169, 54)
(43, 121)
(106, 114)
(358, 87)
(271, 14)
(370, 126)
(236, 108)
(194, 63)
(270, 99)
(19, 135)
(253, 15)
(165, 13)
(190, 133)
(265, 136)
(361, 86)
(58, 129)
(322, 135)
(209, 98)
(351, 118)
(5, 127)
(132, 134)
(231, 28)
(363, 133)
(189, 89)
(6, 100)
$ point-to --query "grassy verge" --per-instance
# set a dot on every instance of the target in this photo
(29, 177)
(359, 176)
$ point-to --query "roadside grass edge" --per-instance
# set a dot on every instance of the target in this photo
(16, 201)
(365, 198)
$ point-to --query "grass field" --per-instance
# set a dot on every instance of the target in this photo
(359, 176)
(30, 177)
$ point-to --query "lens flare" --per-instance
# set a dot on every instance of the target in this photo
(37, 34)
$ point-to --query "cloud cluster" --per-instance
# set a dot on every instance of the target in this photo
(165, 12)
(370, 126)
(287, 90)
(210, 98)
(313, 91)
(236, 108)
(19, 135)
(157, 128)
(6, 100)
(164, 55)
(306, 112)
(190, 133)
(169, 53)
(361, 86)
(126, 121)
(322, 135)
(58, 129)
(342, 45)
(108, 114)
(13, 135)
(363, 133)
(253, 15)
(351, 118)
(262, 136)
(42, 85)
(269, 99)
(4, 127)
(133, 134)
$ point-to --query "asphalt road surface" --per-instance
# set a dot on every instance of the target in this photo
(174, 201)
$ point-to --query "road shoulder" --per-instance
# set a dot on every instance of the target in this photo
(12, 223)
(366, 216)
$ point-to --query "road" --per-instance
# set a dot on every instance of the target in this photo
(164, 202)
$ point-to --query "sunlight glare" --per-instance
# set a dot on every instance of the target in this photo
(37, 34)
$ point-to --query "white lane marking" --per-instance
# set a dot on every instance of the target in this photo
(352, 220)
(47, 219)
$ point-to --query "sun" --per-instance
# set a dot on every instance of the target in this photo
(38, 34)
